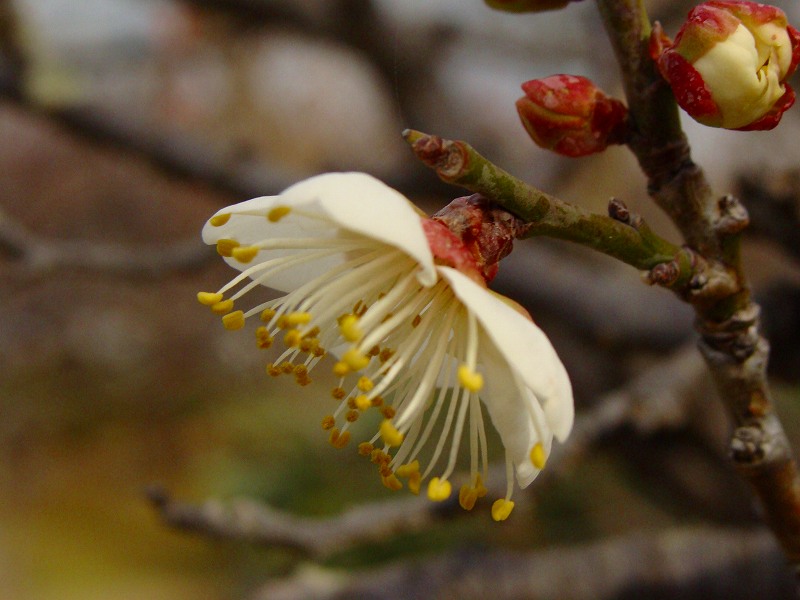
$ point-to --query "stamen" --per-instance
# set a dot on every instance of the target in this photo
(225, 247)
(244, 254)
(221, 308)
(538, 456)
(234, 320)
(470, 379)
(390, 435)
(365, 384)
(362, 402)
(209, 298)
(349, 328)
(391, 482)
(339, 440)
(355, 359)
(439, 489)
(277, 213)
(365, 448)
(501, 509)
(467, 497)
(219, 220)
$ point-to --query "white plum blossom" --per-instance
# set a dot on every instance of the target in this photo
(419, 339)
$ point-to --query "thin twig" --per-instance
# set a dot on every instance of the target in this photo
(38, 256)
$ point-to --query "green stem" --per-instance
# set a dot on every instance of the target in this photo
(458, 163)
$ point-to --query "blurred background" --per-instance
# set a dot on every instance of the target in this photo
(124, 124)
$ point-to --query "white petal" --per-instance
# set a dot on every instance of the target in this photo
(731, 71)
(524, 347)
(511, 415)
(347, 202)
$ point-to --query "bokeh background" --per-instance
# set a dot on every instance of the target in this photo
(125, 123)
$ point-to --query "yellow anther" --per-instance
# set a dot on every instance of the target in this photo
(222, 308)
(354, 359)
(365, 383)
(209, 298)
(308, 345)
(267, 314)
(303, 381)
(391, 482)
(244, 254)
(298, 318)
(225, 247)
(389, 434)
(470, 379)
(348, 327)
(362, 402)
(379, 457)
(467, 497)
(277, 213)
(273, 370)
(318, 351)
(300, 371)
(365, 448)
(328, 422)
(234, 320)
(263, 338)
(219, 220)
(408, 469)
(338, 393)
(352, 416)
(287, 367)
(538, 456)
(339, 440)
(388, 412)
(414, 482)
(385, 470)
(340, 369)
(501, 509)
(480, 489)
(292, 338)
(439, 489)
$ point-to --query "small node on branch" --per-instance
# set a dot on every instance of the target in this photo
(664, 274)
(747, 445)
(619, 211)
(447, 157)
(733, 217)
(737, 337)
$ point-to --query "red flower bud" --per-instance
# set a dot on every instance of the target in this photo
(570, 115)
(729, 64)
(528, 5)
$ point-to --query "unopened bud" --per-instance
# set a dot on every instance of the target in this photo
(729, 64)
(569, 115)
(528, 5)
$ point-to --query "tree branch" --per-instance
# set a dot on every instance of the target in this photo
(620, 235)
(728, 319)
(38, 256)
(685, 562)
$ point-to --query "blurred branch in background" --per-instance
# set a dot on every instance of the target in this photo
(40, 256)
(664, 397)
(679, 563)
